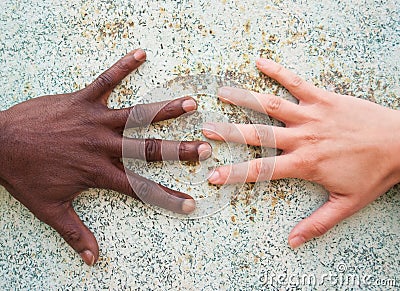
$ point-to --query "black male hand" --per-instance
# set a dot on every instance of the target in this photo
(54, 147)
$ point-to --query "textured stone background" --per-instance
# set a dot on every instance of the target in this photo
(49, 47)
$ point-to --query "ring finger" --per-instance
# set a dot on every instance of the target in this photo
(252, 134)
(163, 150)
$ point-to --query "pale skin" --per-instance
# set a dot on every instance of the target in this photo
(349, 146)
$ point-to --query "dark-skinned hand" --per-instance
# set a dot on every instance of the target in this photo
(54, 147)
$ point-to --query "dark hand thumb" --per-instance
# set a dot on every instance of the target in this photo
(67, 223)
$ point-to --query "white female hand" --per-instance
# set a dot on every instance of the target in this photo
(348, 145)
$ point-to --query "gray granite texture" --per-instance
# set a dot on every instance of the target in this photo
(49, 47)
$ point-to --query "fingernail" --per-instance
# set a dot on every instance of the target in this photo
(189, 105)
(224, 92)
(214, 177)
(208, 128)
(204, 151)
(88, 257)
(139, 55)
(296, 241)
(262, 63)
(188, 206)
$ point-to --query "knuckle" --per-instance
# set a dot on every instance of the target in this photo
(104, 81)
(261, 135)
(142, 190)
(123, 65)
(261, 169)
(185, 149)
(318, 228)
(138, 116)
(169, 110)
(70, 234)
(152, 150)
(273, 103)
(296, 82)
(228, 173)
(278, 70)
(311, 138)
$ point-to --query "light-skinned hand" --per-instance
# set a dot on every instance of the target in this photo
(348, 145)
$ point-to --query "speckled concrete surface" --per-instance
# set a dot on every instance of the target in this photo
(49, 47)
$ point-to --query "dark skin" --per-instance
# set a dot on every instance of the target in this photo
(55, 147)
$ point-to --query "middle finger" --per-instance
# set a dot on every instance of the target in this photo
(285, 111)
(252, 134)
(163, 150)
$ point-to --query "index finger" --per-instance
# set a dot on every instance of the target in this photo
(145, 114)
(301, 89)
(106, 82)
